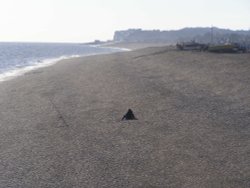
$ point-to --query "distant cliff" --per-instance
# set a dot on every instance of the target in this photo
(204, 35)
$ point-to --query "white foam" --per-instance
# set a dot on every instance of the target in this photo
(118, 48)
(19, 71)
(36, 65)
(112, 47)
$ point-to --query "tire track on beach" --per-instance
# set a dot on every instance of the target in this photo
(60, 115)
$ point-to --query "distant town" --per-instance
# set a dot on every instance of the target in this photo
(192, 36)
(201, 35)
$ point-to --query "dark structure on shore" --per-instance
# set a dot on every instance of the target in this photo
(219, 48)
(192, 46)
(228, 48)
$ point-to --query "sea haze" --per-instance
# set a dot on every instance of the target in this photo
(18, 58)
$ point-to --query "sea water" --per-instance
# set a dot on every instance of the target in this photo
(19, 58)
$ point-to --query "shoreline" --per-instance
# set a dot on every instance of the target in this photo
(123, 47)
(60, 126)
(15, 73)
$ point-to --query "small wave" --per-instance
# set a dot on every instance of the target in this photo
(18, 71)
(114, 48)
(121, 49)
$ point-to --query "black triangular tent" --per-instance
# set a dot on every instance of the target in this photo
(129, 115)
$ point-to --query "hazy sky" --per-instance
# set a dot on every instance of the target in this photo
(86, 20)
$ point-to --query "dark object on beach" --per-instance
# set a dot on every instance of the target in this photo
(228, 48)
(191, 46)
(129, 115)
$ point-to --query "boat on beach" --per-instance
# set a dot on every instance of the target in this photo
(191, 46)
(227, 48)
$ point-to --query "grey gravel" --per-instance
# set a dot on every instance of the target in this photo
(61, 126)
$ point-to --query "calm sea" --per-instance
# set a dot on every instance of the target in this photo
(18, 58)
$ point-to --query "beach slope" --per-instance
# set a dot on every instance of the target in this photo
(61, 126)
